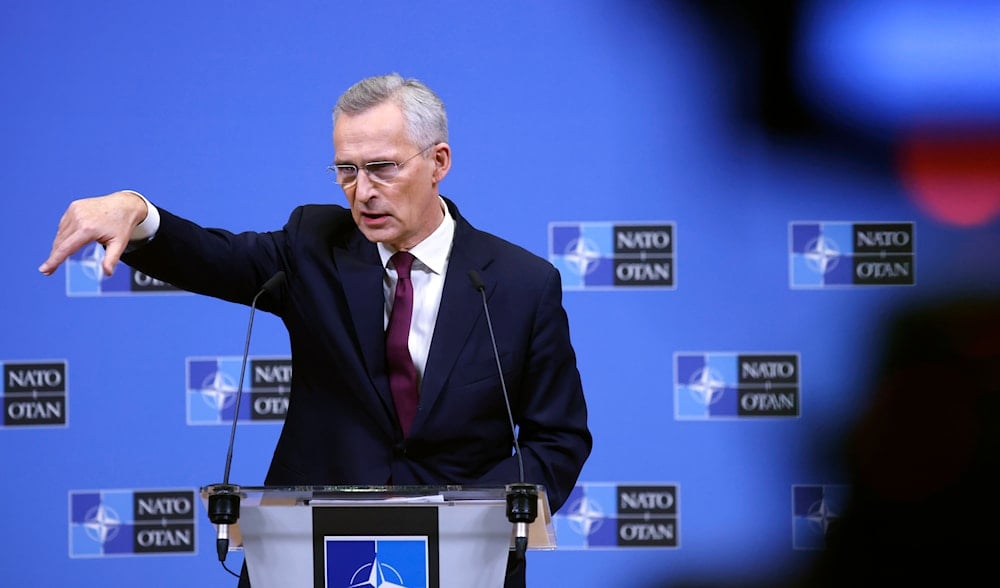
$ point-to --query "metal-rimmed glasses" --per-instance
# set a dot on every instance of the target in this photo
(380, 172)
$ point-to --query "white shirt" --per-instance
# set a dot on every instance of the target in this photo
(427, 275)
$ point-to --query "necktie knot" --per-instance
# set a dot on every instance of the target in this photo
(403, 262)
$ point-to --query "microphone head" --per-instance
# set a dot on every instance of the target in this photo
(477, 282)
(270, 286)
(273, 282)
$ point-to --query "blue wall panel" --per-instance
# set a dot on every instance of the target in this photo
(561, 112)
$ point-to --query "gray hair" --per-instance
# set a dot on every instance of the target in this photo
(426, 120)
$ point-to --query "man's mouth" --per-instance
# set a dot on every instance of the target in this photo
(373, 217)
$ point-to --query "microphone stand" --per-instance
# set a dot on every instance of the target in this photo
(522, 498)
(224, 502)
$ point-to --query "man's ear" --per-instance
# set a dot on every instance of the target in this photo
(442, 161)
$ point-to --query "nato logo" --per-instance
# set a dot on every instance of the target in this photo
(604, 255)
(112, 523)
(84, 277)
(815, 508)
(34, 393)
(377, 562)
(844, 254)
(212, 385)
(619, 516)
(711, 386)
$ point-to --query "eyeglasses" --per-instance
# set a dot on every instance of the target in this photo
(380, 172)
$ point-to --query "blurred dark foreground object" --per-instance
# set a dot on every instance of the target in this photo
(923, 457)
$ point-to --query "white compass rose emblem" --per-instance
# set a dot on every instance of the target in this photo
(376, 575)
(822, 254)
(820, 515)
(582, 255)
(101, 523)
(218, 390)
(90, 262)
(706, 386)
(585, 516)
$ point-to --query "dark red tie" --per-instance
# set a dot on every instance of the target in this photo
(402, 374)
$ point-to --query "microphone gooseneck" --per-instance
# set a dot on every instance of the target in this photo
(269, 286)
(224, 502)
(481, 287)
(522, 498)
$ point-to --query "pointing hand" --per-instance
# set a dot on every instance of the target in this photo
(108, 220)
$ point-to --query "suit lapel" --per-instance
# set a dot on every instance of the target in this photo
(461, 305)
(362, 274)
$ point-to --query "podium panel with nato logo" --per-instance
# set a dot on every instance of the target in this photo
(412, 536)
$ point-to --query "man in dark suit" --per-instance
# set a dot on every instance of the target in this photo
(345, 423)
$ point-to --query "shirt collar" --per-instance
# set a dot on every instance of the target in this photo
(433, 251)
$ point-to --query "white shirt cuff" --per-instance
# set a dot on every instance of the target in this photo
(148, 227)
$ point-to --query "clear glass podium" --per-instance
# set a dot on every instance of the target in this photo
(319, 536)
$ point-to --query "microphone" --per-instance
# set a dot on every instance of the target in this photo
(224, 503)
(522, 498)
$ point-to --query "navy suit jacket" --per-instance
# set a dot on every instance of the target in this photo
(341, 425)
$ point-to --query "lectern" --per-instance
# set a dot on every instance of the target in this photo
(371, 536)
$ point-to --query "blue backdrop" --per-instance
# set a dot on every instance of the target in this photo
(587, 115)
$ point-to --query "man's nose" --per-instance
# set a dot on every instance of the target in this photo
(364, 188)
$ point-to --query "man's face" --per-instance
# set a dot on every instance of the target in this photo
(405, 210)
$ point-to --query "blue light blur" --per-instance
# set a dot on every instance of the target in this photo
(895, 63)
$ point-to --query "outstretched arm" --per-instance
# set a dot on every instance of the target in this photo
(109, 220)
